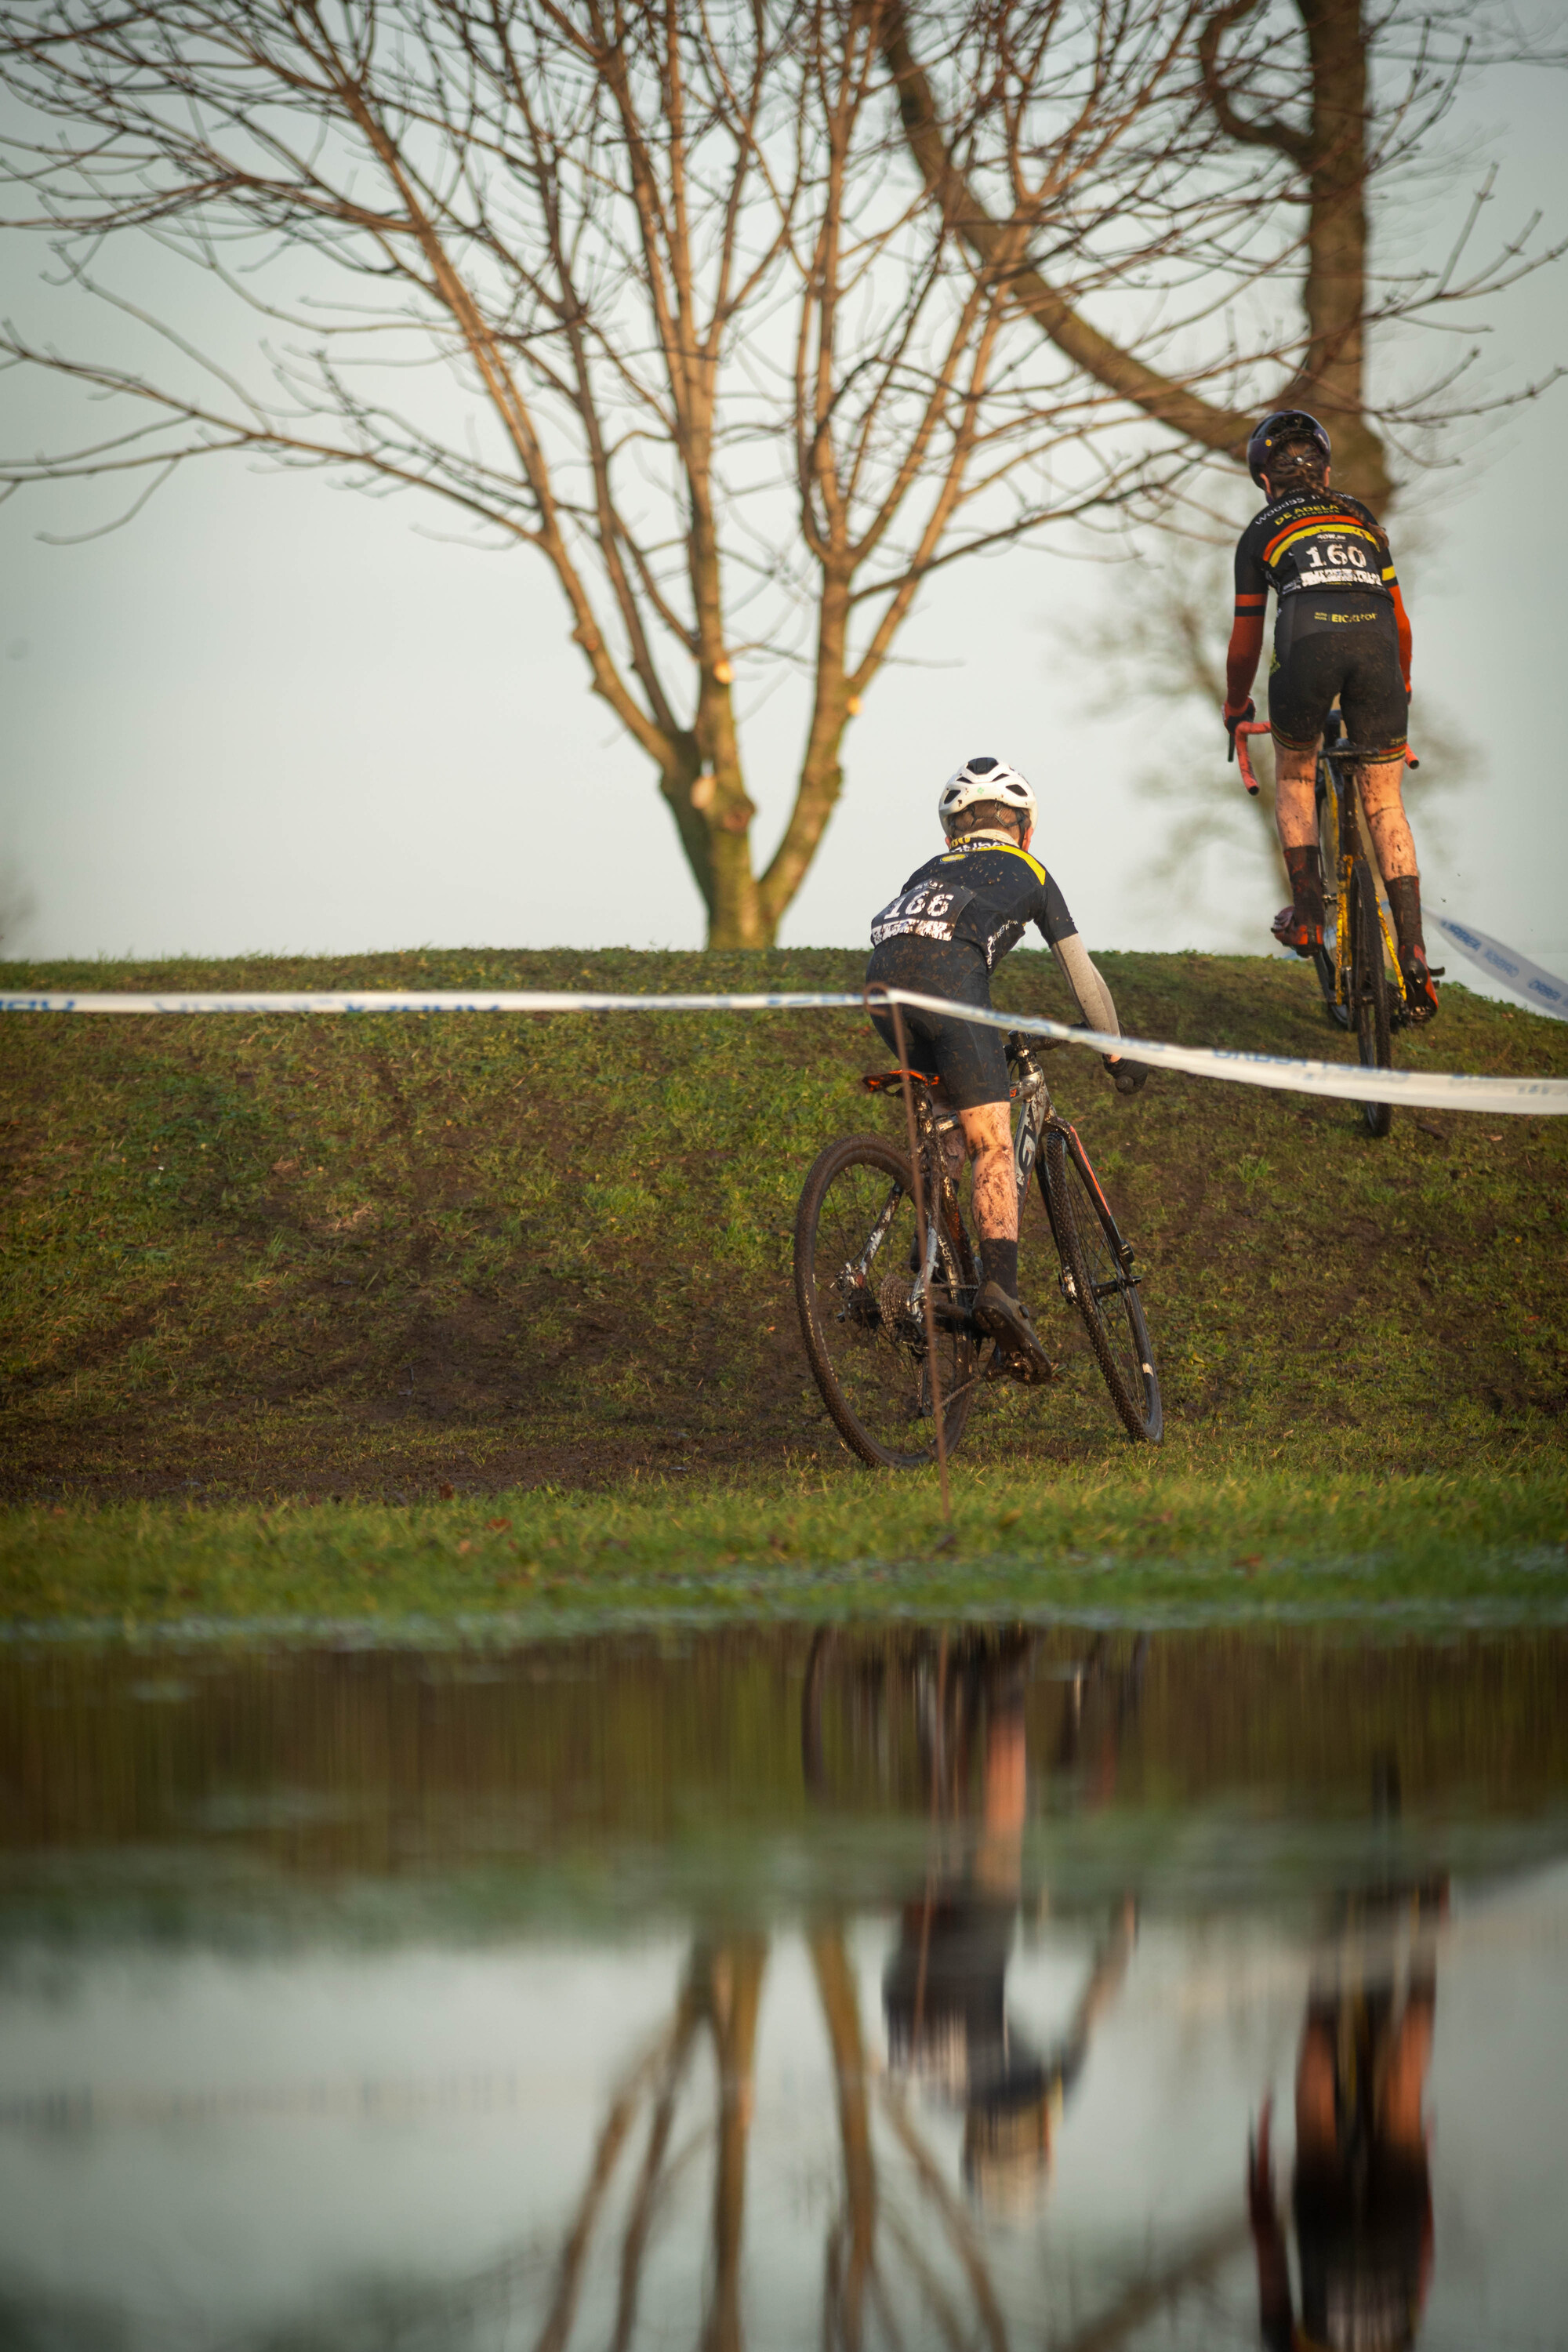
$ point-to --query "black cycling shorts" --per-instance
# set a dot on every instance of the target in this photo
(971, 1060)
(1325, 646)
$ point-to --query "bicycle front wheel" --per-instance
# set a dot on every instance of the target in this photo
(1369, 983)
(855, 1259)
(1101, 1289)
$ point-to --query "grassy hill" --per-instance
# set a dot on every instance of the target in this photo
(248, 1258)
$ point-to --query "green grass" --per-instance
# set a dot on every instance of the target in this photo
(267, 1260)
(1150, 1542)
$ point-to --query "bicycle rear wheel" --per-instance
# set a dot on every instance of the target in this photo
(1101, 1289)
(855, 1257)
(1369, 990)
(1324, 958)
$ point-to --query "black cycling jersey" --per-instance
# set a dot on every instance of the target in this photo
(981, 894)
(1340, 623)
(1315, 539)
(949, 926)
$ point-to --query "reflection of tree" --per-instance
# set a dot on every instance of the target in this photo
(851, 2239)
(952, 1709)
(899, 2235)
(930, 1731)
(854, 2275)
(872, 2245)
(720, 1994)
(734, 1984)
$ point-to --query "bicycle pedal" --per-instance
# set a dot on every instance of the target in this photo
(1021, 1368)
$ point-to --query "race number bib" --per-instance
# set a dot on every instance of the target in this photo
(1335, 559)
(929, 911)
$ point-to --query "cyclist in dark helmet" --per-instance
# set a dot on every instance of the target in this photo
(1362, 2191)
(950, 925)
(1339, 630)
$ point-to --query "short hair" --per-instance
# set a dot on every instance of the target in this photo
(1296, 466)
(988, 816)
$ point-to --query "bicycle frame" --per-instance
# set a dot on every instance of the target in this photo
(945, 1236)
(1040, 1114)
(889, 1316)
(1337, 764)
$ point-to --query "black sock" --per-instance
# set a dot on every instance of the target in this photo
(1404, 905)
(1305, 868)
(999, 1262)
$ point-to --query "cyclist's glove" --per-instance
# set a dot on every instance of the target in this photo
(1130, 1077)
(1233, 719)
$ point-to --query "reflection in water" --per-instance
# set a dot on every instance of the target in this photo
(1361, 2191)
(895, 1988)
(945, 1987)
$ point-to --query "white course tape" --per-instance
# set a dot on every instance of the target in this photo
(1417, 1089)
(438, 999)
(1545, 991)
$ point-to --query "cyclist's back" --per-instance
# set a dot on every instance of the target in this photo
(1340, 627)
(1341, 633)
(943, 935)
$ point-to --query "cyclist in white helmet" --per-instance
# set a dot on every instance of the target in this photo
(942, 934)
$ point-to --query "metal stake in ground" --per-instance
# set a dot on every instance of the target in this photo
(936, 1404)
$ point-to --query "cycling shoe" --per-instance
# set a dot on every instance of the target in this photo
(1010, 1324)
(1420, 988)
(1298, 931)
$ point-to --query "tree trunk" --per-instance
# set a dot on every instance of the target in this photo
(1334, 374)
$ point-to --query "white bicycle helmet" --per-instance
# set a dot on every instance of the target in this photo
(986, 779)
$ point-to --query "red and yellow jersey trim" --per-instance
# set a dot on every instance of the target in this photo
(1309, 527)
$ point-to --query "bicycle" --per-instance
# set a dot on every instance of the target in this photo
(876, 1313)
(1352, 966)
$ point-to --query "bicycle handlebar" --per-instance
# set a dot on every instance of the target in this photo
(1337, 752)
(1248, 727)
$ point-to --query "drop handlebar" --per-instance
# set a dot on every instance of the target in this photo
(1260, 726)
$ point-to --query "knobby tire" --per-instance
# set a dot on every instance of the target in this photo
(1369, 984)
(1369, 1008)
(1102, 1290)
(1325, 958)
(867, 1356)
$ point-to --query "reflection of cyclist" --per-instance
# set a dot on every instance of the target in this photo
(1360, 2193)
(945, 1987)
(1339, 629)
(942, 934)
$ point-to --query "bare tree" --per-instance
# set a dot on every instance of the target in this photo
(634, 285)
(1324, 111)
(1320, 107)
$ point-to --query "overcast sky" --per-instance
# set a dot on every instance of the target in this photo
(269, 715)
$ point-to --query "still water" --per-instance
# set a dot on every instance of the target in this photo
(867, 1988)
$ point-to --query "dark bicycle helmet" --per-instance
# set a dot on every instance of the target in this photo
(1285, 426)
